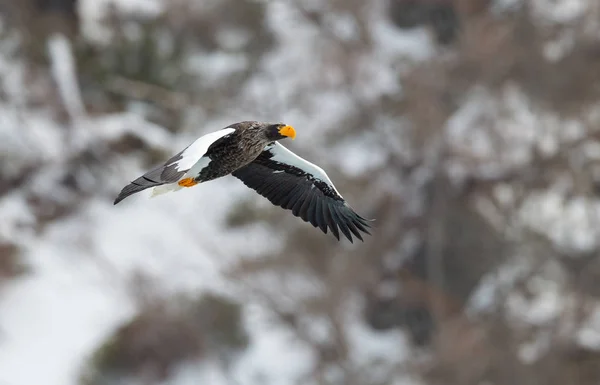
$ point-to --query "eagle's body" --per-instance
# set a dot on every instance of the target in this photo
(230, 153)
(250, 151)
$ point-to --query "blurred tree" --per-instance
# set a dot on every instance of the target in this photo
(453, 220)
(166, 333)
(38, 19)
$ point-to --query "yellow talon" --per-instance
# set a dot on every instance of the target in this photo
(187, 182)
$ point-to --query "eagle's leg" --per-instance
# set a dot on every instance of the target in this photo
(187, 182)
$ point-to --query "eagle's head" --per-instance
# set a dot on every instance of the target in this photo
(278, 131)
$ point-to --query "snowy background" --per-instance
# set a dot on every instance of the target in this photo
(469, 129)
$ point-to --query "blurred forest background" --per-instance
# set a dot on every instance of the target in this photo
(469, 129)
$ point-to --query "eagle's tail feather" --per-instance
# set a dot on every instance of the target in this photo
(163, 189)
(136, 186)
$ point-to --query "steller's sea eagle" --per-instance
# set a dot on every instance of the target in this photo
(250, 151)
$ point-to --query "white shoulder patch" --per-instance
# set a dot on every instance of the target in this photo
(196, 150)
(283, 155)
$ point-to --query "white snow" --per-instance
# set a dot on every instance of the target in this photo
(65, 74)
(92, 12)
(78, 294)
(572, 224)
(217, 67)
(54, 319)
(560, 11)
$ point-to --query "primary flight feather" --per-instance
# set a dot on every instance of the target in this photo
(250, 151)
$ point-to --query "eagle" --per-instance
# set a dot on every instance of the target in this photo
(251, 152)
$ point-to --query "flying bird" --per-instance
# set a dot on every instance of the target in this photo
(251, 152)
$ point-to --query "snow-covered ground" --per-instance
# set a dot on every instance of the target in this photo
(52, 319)
(76, 295)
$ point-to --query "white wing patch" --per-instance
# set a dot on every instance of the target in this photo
(195, 151)
(283, 155)
(192, 159)
(197, 168)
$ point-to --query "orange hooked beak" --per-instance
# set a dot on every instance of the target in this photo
(288, 131)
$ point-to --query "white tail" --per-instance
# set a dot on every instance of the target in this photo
(165, 188)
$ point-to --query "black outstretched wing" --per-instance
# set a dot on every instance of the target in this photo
(295, 184)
